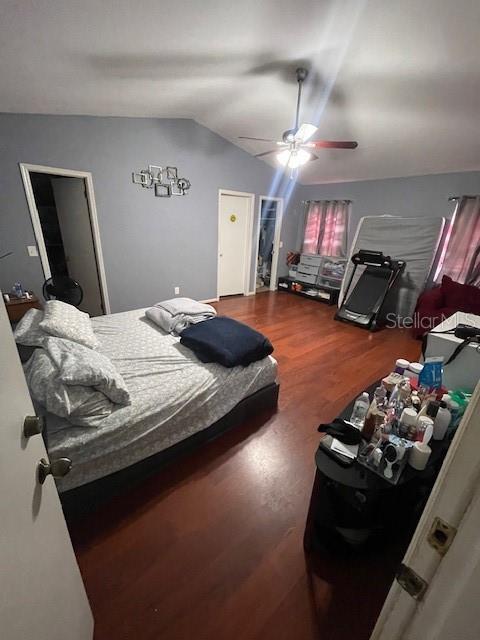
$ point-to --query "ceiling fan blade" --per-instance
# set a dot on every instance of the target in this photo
(332, 144)
(305, 132)
(258, 139)
(265, 153)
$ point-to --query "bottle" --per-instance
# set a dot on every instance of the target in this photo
(421, 452)
(429, 408)
(408, 424)
(414, 370)
(441, 422)
(401, 365)
(447, 398)
(422, 423)
(402, 397)
(455, 411)
(360, 409)
(380, 396)
(376, 414)
(416, 401)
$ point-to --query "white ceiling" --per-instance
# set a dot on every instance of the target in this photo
(402, 78)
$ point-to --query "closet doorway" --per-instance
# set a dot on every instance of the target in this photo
(270, 212)
(64, 218)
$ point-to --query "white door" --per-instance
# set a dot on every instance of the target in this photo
(74, 219)
(448, 609)
(41, 594)
(234, 227)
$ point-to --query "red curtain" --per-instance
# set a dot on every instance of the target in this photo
(461, 252)
(326, 228)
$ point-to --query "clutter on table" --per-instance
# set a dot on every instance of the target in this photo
(409, 408)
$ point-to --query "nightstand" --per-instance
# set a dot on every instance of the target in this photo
(18, 307)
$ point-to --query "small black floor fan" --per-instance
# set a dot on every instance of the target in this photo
(63, 288)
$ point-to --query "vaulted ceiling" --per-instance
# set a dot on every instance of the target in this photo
(402, 78)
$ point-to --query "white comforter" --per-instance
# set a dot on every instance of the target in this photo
(173, 316)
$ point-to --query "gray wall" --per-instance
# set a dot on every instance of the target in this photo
(150, 245)
(417, 196)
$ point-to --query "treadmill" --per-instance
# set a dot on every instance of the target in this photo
(363, 305)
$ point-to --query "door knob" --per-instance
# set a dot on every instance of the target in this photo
(33, 425)
(57, 468)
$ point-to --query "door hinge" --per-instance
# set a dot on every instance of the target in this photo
(411, 582)
(441, 536)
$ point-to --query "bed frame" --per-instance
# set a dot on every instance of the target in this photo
(88, 497)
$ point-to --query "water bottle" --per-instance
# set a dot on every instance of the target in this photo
(360, 409)
(17, 290)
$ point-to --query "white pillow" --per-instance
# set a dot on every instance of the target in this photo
(28, 331)
(63, 320)
(81, 406)
(78, 365)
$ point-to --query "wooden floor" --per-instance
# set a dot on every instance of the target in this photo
(211, 547)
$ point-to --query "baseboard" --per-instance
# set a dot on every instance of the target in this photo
(210, 300)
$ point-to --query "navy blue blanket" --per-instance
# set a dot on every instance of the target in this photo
(226, 341)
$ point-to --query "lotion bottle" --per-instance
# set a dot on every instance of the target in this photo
(441, 422)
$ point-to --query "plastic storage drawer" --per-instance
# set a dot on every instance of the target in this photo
(306, 277)
(307, 268)
(311, 259)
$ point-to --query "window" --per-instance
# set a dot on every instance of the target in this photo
(326, 227)
(460, 257)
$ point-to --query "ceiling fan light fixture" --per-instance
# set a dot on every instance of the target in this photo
(283, 157)
(293, 159)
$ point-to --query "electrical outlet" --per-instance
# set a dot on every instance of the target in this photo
(176, 290)
(32, 251)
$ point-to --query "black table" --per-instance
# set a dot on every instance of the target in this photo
(354, 501)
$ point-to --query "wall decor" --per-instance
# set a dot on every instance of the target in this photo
(164, 181)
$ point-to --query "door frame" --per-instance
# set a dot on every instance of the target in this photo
(248, 242)
(276, 241)
(25, 169)
(453, 494)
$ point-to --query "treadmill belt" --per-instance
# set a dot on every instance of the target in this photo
(368, 291)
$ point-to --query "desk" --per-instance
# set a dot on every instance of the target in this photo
(354, 502)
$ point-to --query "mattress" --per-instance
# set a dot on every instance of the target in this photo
(173, 394)
(415, 240)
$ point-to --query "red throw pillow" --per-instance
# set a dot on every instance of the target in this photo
(431, 299)
(463, 297)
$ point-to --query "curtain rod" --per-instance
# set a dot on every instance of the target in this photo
(453, 198)
(327, 200)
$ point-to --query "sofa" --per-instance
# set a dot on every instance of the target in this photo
(439, 303)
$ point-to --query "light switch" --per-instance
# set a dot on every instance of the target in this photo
(281, 244)
(32, 251)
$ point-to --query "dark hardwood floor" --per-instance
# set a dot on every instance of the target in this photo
(211, 546)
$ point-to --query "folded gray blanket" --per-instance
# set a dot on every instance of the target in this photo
(173, 316)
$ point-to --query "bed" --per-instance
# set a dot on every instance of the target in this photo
(174, 399)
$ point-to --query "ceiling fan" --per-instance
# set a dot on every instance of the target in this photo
(295, 149)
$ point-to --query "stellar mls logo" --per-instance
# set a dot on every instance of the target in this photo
(393, 321)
